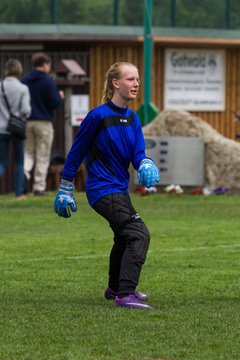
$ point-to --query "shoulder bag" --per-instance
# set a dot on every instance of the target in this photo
(16, 125)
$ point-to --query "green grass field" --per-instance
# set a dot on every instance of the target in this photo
(54, 272)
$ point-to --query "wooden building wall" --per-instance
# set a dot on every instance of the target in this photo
(103, 55)
(225, 122)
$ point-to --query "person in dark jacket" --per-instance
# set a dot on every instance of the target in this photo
(45, 97)
(110, 138)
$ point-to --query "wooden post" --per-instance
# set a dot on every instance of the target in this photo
(68, 133)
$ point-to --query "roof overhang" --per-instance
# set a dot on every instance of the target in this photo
(29, 33)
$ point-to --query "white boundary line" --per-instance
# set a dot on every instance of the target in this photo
(94, 256)
(231, 246)
(80, 257)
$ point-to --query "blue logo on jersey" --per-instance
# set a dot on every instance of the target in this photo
(150, 143)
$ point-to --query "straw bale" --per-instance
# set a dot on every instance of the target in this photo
(221, 155)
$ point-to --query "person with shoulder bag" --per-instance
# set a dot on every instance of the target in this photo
(14, 104)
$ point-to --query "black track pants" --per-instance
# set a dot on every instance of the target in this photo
(131, 241)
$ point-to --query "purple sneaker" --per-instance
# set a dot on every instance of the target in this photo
(141, 296)
(131, 302)
(111, 295)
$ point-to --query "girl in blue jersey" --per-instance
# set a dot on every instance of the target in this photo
(109, 139)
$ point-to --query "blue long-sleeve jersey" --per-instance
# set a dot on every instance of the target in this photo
(109, 138)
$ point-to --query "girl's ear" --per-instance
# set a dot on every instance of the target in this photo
(115, 83)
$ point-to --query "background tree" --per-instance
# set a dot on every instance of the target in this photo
(189, 13)
(204, 14)
(24, 11)
(85, 12)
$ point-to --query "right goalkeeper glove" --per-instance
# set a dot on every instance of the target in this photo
(65, 202)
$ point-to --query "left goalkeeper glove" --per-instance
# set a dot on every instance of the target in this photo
(65, 202)
(148, 173)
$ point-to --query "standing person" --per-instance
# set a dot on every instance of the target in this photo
(45, 97)
(18, 98)
(110, 138)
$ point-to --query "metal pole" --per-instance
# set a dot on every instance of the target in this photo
(173, 13)
(115, 12)
(228, 14)
(147, 58)
(53, 11)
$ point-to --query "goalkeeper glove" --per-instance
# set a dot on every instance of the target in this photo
(65, 202)
(148, 173)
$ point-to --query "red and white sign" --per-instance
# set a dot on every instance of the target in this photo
(79, 108)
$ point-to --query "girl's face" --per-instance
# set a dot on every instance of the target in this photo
(127, 86)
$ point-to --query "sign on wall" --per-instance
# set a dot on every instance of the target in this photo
(194, 79)
(79, 108)
(180, 159)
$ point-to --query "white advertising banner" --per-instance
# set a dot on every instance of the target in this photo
(79, 108)
(194, 79)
